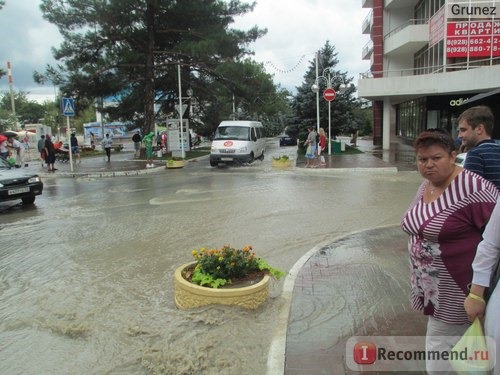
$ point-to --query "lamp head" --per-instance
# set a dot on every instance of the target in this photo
(315, 88)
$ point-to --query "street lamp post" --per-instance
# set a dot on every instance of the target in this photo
(315, 88)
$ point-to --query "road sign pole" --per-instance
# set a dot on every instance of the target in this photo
(329, 128)
(69, 143)
(68, 108)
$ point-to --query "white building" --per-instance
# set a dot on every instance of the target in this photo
(427, 58)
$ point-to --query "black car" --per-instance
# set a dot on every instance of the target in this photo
(288, 141)
(17, 184)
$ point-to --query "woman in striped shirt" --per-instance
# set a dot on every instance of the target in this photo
(444, 223)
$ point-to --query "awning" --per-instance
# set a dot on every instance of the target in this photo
(481, 96)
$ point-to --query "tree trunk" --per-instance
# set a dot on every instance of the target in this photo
(149, 83)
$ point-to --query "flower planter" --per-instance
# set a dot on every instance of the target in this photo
(281, 163)
(173, 164)
(189, 295)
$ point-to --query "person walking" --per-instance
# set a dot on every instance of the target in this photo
(41, 148)
(148, 144)
(310, 144)
(15, 149)
(107, 143)
(444, 224)
(50, 154)
(136, 138)
(322, 146)
(74, 147)
(487, 258)
(92, 141)
(4, 151)
(475, 126)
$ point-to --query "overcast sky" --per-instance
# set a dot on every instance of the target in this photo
(296, 29)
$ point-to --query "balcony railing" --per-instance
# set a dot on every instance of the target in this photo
(367, 24)
(367, 50)
(464, 65)
(411, 22)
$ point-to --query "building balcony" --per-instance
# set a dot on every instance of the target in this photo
(407, 38)
(366, 3)
(367, 51)
(406, 84)
(366, 27)
(395, 4)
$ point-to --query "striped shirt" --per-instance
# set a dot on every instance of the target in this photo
(484, 159)
(443, 238)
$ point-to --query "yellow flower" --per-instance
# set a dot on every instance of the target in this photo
(194, 253)
(221, 259)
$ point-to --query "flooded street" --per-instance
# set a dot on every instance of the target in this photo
(86, 276)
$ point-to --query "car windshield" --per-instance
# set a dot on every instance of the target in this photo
(232, 132)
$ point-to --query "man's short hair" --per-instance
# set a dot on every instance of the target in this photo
(477, 115)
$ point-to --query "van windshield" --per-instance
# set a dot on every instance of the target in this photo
(238, 133)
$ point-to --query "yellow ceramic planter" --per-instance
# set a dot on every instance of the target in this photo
(172, 164)
(281, 163)
(189, 295)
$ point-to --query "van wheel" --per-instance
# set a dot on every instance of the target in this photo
(251, 158)
(213, 163)
(261, 157)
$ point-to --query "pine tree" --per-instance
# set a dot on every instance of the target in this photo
(130, 50)
(305, 100)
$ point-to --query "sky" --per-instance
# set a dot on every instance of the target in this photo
(296, 30)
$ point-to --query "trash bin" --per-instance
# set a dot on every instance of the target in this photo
(336, 147)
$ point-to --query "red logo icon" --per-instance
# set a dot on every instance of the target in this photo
(228, 143)
(365, 353)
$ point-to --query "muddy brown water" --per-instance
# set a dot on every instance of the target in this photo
(86, 276)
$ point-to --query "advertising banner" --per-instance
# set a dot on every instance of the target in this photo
(472, 28)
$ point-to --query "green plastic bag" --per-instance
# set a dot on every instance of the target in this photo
(470, 354)
(12, 161)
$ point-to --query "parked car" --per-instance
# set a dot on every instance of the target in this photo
(288, 141)
(17, 184)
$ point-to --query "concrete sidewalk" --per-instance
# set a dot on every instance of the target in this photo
(356, 286)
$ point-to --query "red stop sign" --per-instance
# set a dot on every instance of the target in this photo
(329, 94)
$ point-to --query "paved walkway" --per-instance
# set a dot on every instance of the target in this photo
(356, 285)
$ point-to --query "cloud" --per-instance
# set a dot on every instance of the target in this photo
(296, 30)
(26, 42)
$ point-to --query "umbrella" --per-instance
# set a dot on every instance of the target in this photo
(9, 133)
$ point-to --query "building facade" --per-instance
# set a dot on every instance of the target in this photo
(428, 58)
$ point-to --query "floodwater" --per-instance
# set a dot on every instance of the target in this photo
(86, 277)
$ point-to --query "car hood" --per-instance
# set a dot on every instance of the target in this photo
(10, 174)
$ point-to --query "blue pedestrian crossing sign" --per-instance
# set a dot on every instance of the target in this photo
(68, 106)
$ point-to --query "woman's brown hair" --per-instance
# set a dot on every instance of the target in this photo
(431, 137)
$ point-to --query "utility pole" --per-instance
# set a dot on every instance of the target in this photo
(11, 87)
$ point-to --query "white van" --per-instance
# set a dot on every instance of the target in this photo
(241, 141)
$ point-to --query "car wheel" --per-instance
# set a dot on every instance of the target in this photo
(261, 157)
(251, 158)
(28, 200)
(213, 163)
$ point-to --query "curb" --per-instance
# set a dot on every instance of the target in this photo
(276, 358)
